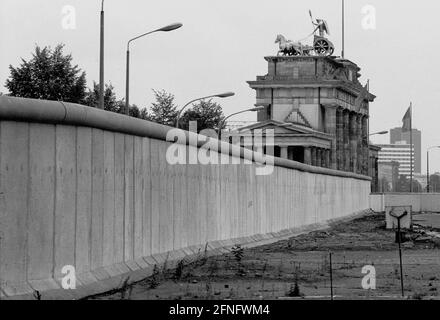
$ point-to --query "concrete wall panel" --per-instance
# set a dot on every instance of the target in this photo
(93, 198)
(109, 199)
(129, 198)
(139, 198)
(166, 222)
(41, 201)
(420, 202)
(97, 221)
(14, 152)
(155, 195)
(65, 198)
(146, 198)
(83, 199)
(430, 202)
(180, 204)
(119, 198)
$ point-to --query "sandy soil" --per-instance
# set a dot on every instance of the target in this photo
(271, 271)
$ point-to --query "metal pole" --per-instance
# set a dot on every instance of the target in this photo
(331, 277)
(400, 256)
(427, 171)
(222, 95)
(101, 61)
(222, 122)
(343, 29)
(0, 266)
(127, 83)
(184, 107)
(411, 149)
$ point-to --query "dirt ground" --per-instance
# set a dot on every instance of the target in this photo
(299, 268)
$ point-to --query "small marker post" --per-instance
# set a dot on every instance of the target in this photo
(331, 277)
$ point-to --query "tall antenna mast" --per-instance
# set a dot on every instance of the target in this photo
(343, 29)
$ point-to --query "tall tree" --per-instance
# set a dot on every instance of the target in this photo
(163, 110)
(134, 111)
(110, 102)
(144, 114)
(49, 75)
(207, 113)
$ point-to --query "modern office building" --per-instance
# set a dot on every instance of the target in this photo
(398, 152)
(399, 137)
(388, 173)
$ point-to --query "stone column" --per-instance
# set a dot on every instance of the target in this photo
(307, 155)
(313, 156)
(328, 159)
(359, 147)
(347, 153)
(365, 145)
(283, 153)
(353, 142)
(376, 174)
(319, 157)
(332, 123)
(339, 139)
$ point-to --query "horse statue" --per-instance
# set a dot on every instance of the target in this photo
(288, 47)
(321, 45)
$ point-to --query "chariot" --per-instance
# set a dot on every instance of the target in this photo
(321, 45)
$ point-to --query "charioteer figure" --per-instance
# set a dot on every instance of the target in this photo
(321, 45)
(321, 26)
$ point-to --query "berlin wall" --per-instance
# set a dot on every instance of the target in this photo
(92, 189)
(419, 202)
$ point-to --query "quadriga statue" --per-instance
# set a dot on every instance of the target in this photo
(321, 45)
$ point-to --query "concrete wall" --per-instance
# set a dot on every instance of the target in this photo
(72, 193)
(420, 202)
(377, 202)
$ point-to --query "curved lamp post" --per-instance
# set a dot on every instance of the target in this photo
(221, 123)
(221, 95)
(378, 133)
(167, 28)
(427, 167)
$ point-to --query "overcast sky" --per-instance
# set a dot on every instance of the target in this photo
(222, 45)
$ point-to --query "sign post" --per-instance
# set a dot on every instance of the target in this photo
(399, 239)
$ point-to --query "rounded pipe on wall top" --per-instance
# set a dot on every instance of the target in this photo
(58, 112)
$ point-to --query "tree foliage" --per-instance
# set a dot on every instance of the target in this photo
(163, 110)
(207, 113)
(48, 75)
(403, 185)
(434, 183)
(111, 103)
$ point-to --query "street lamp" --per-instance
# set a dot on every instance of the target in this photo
(167, 28)
(221, 95)
(234, 114)
(101, 60)
(379, 133)
(427, 166)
